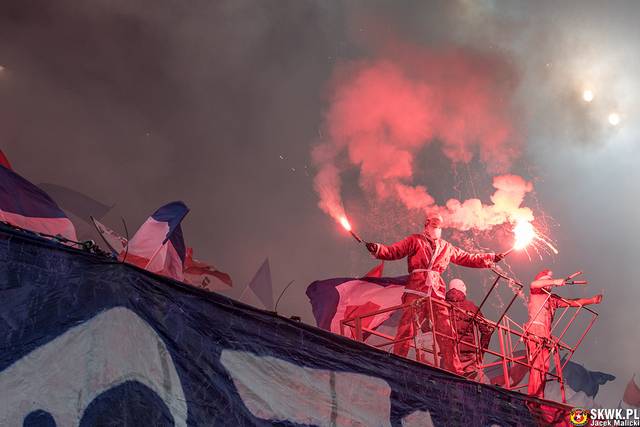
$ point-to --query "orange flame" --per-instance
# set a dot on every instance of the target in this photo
(345, 223)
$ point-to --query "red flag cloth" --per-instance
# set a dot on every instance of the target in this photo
(517, 371)
(24, 205)
(4, 161)
(158, 245)
(376, 271)
(434, 257)
(632, 393)
(198, 273)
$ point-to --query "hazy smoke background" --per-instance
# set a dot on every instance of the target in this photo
(221, 103)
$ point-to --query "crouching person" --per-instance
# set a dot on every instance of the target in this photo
(463, 312)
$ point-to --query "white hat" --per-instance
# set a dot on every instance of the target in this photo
(459, 285)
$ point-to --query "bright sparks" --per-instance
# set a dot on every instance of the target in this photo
(345, 223)
(524, 234)
(587, 95)
(614, 119)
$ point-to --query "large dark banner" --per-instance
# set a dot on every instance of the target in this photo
(86, 341)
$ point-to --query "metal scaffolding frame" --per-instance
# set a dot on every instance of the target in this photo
(510, 334)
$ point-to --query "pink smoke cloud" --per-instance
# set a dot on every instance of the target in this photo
(383, 112)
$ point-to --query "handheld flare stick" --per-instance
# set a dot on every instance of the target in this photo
(347, 226)
(569, 280)
(509, 251)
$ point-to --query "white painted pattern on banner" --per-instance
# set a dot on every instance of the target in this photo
(277, 390)
(418, 419)
(63, 376)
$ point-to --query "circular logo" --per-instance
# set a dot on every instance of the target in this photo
(579, 416)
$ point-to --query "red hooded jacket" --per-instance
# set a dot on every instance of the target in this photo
(432, 258)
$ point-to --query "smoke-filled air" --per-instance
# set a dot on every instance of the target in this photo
(383, 112)
(301, 137)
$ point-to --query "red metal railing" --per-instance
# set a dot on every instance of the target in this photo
(510, 335)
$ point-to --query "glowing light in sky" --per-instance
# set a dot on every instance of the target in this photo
(587, 95)
(614, 119)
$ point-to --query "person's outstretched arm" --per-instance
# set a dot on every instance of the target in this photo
(545, 283)
(466, 259)
(579, 302)
(398, 250)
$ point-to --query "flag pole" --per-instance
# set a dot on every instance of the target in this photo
(155, 253)
(93, 220)
(282, 293)
(166, 239)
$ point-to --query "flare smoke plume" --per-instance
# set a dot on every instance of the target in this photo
(383, 112)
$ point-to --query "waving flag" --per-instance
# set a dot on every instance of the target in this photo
(580, 378)
(376, 271)
(24, 205)
(261, 286)
(75, 202)
(115, 242)
(81, 346)
(334, 300)
(517, 371)
(194, 272)
(580, 386)
(631, 397)
(200, 274)
(4, 161)
(158, 246)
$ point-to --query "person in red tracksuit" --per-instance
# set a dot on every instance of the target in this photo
(428, 255)
(541, 307)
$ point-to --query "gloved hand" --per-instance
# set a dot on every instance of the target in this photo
(498, 257)
(597, 299)
(372, 247)
(559, 282)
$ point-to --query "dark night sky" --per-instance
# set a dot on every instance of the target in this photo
(220, 103)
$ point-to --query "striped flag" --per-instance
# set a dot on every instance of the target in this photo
(24, 205)
(4, 161)
(76, 202)
(116, 243)
(631, 397)
(334, 300)
(203, 275)
(158, 245)
(195, 272)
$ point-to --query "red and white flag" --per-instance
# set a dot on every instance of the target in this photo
(202, 275)
(155, 247)
(631, 397)
(116, 243)
(24, 205)
(158, 245)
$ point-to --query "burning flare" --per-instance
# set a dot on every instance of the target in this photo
(525, 234)
(347, 226)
